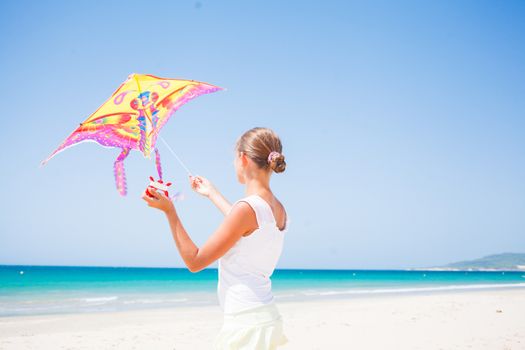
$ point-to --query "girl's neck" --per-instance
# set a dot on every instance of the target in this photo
(257, 186)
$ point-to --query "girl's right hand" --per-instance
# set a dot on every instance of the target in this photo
(201, 185)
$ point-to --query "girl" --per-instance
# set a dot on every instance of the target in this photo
(247, 244)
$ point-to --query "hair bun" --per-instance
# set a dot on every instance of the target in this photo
(256, 144)
(277, 163)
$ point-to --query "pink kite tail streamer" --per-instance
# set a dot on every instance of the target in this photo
(157, 162)
(120, 175)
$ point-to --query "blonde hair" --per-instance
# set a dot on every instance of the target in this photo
(257, 143)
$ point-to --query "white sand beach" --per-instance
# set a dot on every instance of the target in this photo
(489, 319)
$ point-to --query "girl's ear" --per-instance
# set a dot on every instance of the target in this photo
(244, 158)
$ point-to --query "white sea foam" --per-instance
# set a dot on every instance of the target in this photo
(155, 301)
(415, 289)
(100, 299)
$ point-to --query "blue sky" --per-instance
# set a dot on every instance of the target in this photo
(402, 123)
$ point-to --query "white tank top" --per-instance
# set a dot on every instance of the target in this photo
(245, 270)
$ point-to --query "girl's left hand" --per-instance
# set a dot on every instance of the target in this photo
(160, 201)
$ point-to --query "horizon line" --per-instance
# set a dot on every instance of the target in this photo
(431, 269)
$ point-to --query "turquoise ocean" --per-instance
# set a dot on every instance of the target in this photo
(34, 290)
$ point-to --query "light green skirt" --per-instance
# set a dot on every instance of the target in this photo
(260, 328)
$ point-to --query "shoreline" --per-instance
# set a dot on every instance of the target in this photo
(474, 319)
(307, 297)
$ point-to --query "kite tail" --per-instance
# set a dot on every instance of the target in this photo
(157, 162)
(120, 175)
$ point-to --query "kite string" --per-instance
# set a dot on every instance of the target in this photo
(172, 152)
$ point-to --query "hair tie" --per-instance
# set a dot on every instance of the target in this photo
(272, 155)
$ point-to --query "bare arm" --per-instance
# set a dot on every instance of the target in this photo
(204, 187)
(220, 202)
(239, 221)
(186, 247)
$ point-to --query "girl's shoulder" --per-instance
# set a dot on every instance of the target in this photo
(254, 201)
(265, 213)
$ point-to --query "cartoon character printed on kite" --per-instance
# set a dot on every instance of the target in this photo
(144, 104)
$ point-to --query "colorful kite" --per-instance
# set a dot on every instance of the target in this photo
(133, 116)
